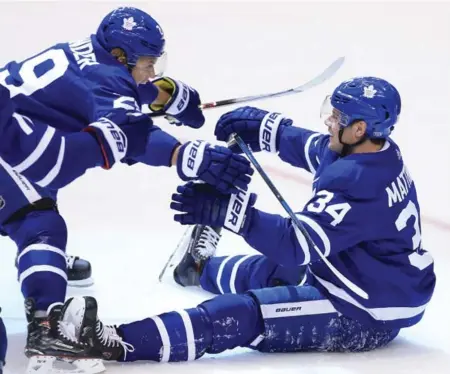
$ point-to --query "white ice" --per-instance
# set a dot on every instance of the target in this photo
(120, 220)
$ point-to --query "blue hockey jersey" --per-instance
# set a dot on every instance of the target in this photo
(67, 87)
(364, 217)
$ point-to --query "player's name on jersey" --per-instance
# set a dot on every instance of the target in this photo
(83, 52)
(399, 187)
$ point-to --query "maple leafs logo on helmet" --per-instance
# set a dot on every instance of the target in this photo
(128, 23)
(369, 92)
(133, 31)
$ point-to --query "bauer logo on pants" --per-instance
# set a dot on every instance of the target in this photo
(2, 202)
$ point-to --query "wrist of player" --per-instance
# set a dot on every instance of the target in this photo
(111, 139)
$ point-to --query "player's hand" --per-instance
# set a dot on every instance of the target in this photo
(215, 165)
(121, 134)
(258, 128)
(203, 204)
(183, 106)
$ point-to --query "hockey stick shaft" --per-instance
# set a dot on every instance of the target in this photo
(322, 77)
(357, 290)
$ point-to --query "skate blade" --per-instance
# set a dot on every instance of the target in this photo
(58, 365)
(81, 283)
(176, 256)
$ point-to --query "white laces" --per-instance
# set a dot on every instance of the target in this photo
(70, 261)
(207, 244)
(109, 338)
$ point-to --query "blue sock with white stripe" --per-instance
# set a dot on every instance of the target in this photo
(238, 274)
(175, 336)
(41, 238)
(221, 275)
(222, 323)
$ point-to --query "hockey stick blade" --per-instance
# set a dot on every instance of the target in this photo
(319, 79)
(357, 290)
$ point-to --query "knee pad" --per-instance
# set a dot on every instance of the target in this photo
(235, 321)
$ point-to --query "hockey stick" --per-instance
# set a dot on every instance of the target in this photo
(322, 77)
(237, 139)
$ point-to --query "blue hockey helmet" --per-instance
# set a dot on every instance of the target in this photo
(369, 99)
(132, 30)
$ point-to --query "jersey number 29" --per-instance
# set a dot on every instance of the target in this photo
(57, 64)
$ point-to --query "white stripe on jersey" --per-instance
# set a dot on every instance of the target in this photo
(312, 169)
(319, 231)
(38, 151)
(53, 173)
(379, 314)
(22, 121)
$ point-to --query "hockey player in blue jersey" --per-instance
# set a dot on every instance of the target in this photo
(369, 279)
(76, 106)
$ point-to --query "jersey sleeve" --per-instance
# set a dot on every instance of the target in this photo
(302, 148)
(112, 90)
(333, 220)
(44, 155)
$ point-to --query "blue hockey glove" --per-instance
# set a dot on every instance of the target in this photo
(203, 204)
(183, 106)
(215, 165)
(258, 128)
(121, 134)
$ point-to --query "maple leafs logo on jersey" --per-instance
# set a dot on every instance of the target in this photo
(369, 92)
(128, 23)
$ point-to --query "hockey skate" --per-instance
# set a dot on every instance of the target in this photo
(105, 341)
(57, 345)
(79, 272)
(186, 263)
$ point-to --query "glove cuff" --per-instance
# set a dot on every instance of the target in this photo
(268, 132)
(190, 158)
(237, 218)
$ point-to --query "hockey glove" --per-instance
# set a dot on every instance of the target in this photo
(217, 166)
(183, 106)
(203, 204)
(258, 128)
(121, 134)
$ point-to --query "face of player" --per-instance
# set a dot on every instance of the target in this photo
(144, 70)
(334, 126)
(350, 134)
(148, 67)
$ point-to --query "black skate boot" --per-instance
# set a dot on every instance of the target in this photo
(79, 272)
(106, 342)
(186, 264)
(53, 345)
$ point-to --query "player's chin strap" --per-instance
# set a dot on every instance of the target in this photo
(347, 149)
